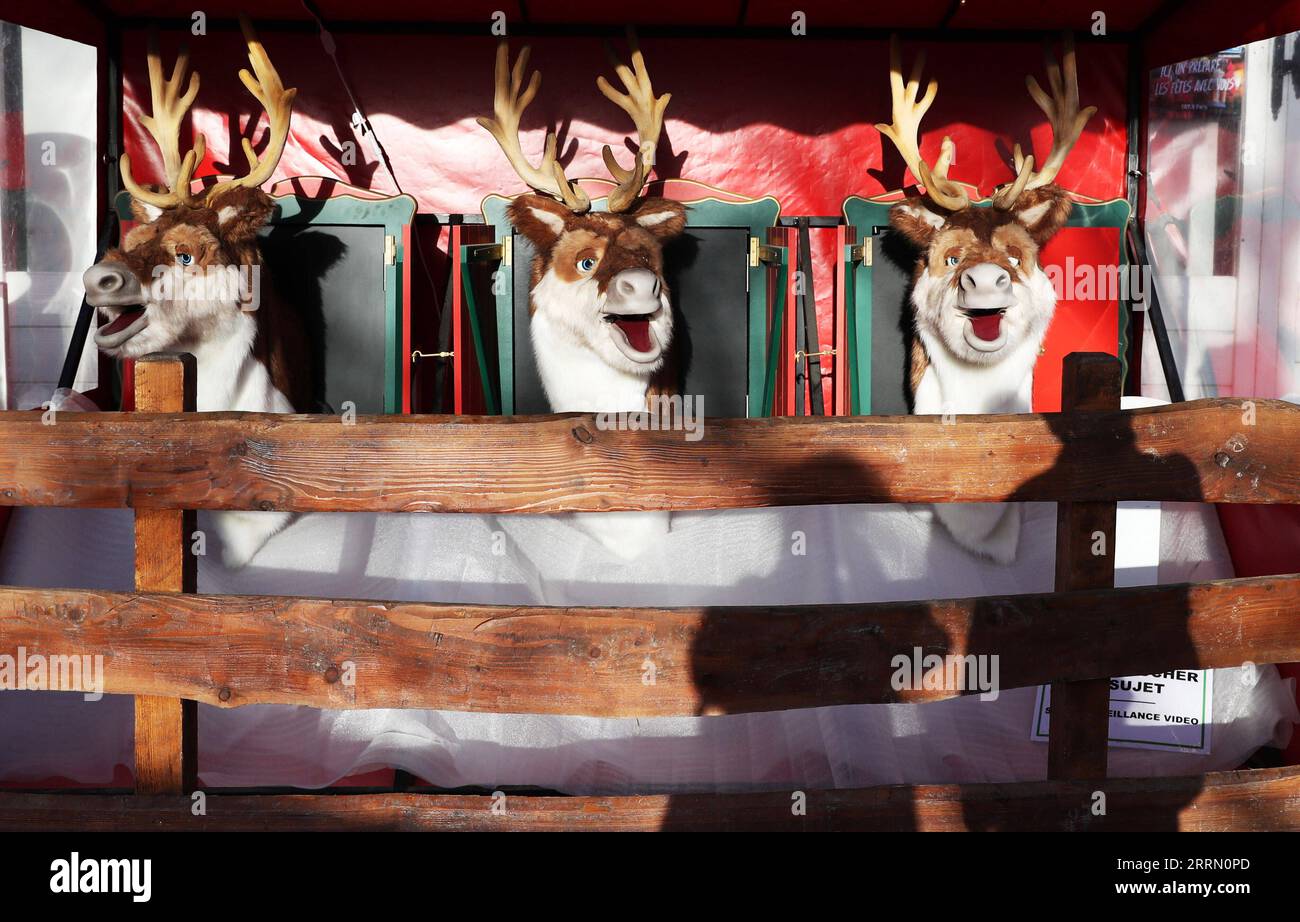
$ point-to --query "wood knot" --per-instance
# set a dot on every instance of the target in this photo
(266, 506)
(224, 693)
(1222, 458)
(332, 674)
(582, 435)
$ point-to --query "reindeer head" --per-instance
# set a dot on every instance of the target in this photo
(596, 276)
(978, 288)
(160, 290)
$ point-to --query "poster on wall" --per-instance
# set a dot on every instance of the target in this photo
(1199, 86)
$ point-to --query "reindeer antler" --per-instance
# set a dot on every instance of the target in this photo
(278, 103)
(647, 112)
(168, 108)
(907, 115)
(1067, 121)
(508, 105)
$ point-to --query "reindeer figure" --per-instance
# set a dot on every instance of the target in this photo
(601, 322)
(248, 359)
(981, 300)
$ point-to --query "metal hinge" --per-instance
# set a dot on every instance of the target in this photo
(863, 252)
(390, 250)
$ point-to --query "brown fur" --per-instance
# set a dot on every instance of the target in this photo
(281, 343)
(920, 361)
(618, 241)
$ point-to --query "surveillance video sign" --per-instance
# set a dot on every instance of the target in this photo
(1165, 711)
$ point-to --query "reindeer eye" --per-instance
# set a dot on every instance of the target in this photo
(587, 265)
(184, 258)
(951, 261)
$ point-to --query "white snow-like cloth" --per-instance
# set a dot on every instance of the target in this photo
(849, 554)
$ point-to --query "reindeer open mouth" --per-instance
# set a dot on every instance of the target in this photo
(114, 289)
(633, 335)
(129, 322)
(984, 330)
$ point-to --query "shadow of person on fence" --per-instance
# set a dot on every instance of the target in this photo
(1131, 633)
(760, 659)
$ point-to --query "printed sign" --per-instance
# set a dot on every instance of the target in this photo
(1168, 710)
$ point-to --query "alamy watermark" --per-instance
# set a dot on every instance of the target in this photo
(240, 284)
(666, 413)
(25, 671)
(1083, 281)
(916, 670)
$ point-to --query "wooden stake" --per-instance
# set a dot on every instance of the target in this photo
(166, 729)
(1085, 559)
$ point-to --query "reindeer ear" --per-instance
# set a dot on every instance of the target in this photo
(914, 219)
(539, 218)
(662, 217)
(241, 213)
(1043, 211)
(143, 212)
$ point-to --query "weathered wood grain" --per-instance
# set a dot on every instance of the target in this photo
(1085, 559)
(235, 650)
(1208, 450)
(1260, 800)
(166, 728)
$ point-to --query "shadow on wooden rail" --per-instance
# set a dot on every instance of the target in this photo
(229, 651)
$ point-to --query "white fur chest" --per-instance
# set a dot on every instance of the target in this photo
(953, 386)
(230, 377)
(576, 379)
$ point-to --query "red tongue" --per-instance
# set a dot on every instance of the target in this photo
(987, 327)
(637, 332)
(124, 320)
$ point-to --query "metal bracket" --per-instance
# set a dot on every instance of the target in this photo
(417, 355)
(488, 252)
(764, 253)
(863, 252)
(390, 250)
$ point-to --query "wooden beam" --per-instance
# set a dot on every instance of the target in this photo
(166, 728)
(1085, 559)
(1261, 800)
(1199, 451)
(235, 650)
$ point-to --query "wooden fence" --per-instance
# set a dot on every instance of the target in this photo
(172, 648)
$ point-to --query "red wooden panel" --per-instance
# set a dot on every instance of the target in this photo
(1084, 322)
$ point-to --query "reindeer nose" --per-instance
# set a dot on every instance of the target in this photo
(634, 285)
(986, 278)
(110, 283)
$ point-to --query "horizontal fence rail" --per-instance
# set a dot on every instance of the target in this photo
(1262, 800)
(642, 662)
(1221, 451)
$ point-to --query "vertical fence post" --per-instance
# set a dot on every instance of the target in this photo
(1085, 559)
(166, 729)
